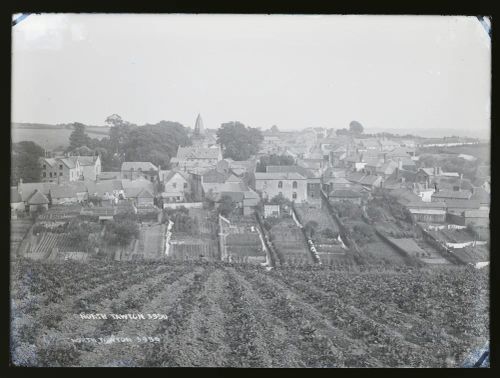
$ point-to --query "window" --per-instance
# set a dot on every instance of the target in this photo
(174, 185)
(44, 166)
(280, 184)
(294, 185)
(294, 195)
(60, 166)
(44, 174)
(185, 185)
(50, 174)
(60, 173)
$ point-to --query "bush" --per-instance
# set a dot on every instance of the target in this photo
(329, 233)
(121, 233)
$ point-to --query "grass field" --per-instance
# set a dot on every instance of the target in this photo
(220, 314)
(52, 138)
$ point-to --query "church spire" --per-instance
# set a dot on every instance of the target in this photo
(198, 127)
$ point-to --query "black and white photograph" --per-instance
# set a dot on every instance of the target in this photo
(250, 190)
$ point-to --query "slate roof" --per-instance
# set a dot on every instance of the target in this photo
(138, 165)
(27, 189)
(109, 175)
(334, 172)
(307, 173)
(63, 191)
(167, 175)
(279, 176)
(426, 205)
(369, 180)
(355, 176)
(344, 193)
(213, 176)
(185, 153)
(476, 214)
(462, 204)
(38, 198)
(87, 160)
(454, 194)
(481, 195)
(102, 187)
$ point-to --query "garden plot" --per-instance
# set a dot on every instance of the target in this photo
(473, 255)
(194, 236)
(325, 234)
(289, 242)
(453, 236)
(431, 255)
(151, 241)
(242, 240)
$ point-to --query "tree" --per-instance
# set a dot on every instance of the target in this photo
(273, 159)
(78, 137)
(275, 129)
(122, 232)
(238, 141)
(355, 127)
(155, 143)
(226, 206)
(26, 162)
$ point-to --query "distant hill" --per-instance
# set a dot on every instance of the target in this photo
(51, 137)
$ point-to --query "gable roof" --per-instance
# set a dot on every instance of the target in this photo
(279, 176)
(344, 193)
(355, 176)
(466, 204)
(184, 153)
(167, 175)
(27, 189)
(138, 165)
(454, 194)
(307, 173)
(102, 187)
(38, 198)
(369, 180)
(213, 176)
(145, 193)
(87, 160)
(63, 191)
(426, 205)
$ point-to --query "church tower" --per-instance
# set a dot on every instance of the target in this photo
(198, 127)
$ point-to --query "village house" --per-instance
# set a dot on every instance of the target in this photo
(336, 183)
(190, 158)
(60, 169)
(368, 144)
(313, 181)
(90, 167)
(245, 199)
(477, 217)
(132, 170)
(292, 185)
(107, 191)
(429, 174)
(371, 182)
(345, 195)
(176, 186)
(271, 211)
(388, 144)
(38, 201)
(70, 168)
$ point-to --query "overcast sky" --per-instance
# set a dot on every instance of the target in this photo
(404, 72)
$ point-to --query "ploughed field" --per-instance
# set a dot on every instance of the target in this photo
(241, 315)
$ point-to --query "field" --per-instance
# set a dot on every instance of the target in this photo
(481, 151)
(53, 137)
(240, 315)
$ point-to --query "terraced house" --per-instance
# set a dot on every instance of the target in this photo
(70, 168)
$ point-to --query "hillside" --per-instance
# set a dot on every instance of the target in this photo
(51, 136)
(243, 316)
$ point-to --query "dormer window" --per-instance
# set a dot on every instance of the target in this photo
(60, 166)
(280, 184)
